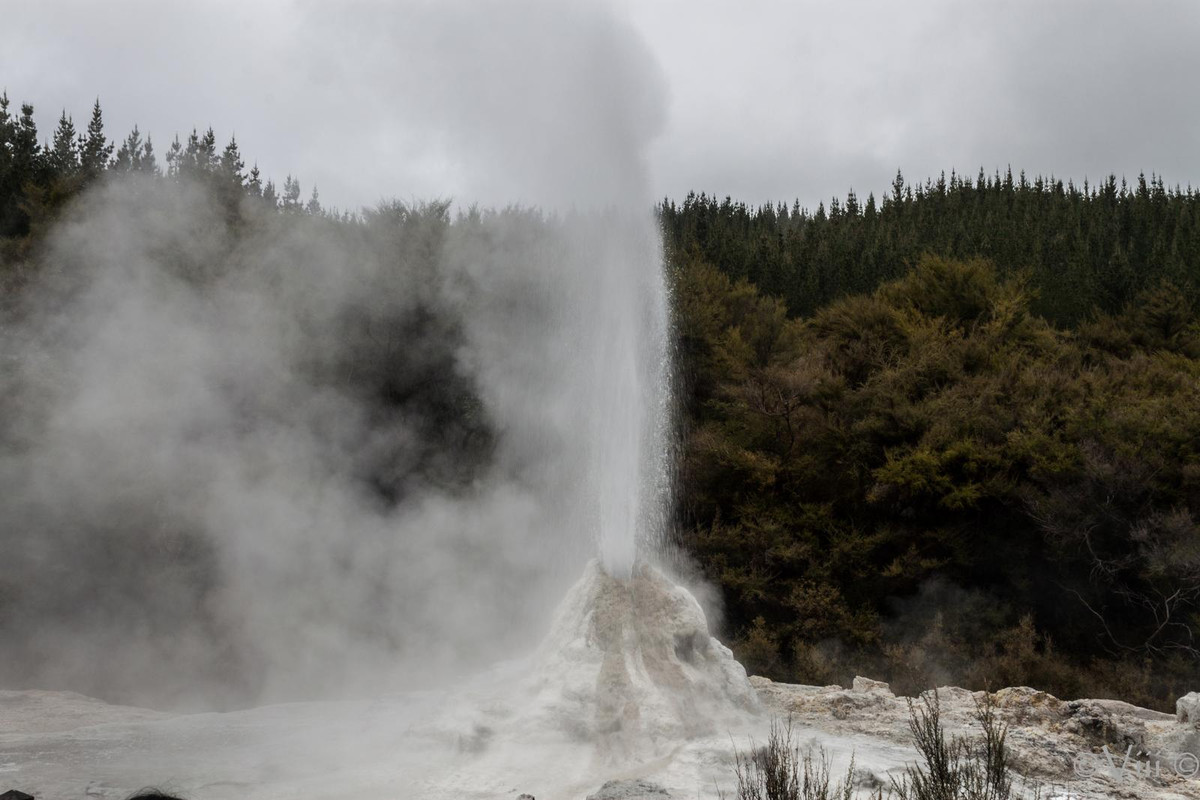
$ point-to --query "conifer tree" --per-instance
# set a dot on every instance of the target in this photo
(291, 194)
(135, 155)
(94, 149)
(27, 153)
(5, 125)
(191, 162)
(63, 156)
(232, 164)
(207, 158)
(7, 182)
(21, 164)
(175, 158)
(148, 162)
(254, 184)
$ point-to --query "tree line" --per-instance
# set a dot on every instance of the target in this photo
(1087, 247)
(37, 177)
(949, 436)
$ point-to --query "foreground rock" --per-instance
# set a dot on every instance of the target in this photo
(1077, 749)
(630, 790)
(1187, 709)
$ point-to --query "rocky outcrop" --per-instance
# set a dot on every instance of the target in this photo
(631, 665)
(868, 686)
(1187, 709)
(1077, 748)
(630, 790)
(1099, 727)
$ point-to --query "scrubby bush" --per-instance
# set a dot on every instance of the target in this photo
(955, 768)
(948, 767)
(782, 770)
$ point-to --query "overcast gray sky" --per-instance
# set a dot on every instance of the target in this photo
(759, 99)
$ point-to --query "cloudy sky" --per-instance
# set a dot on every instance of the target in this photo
(759, 99)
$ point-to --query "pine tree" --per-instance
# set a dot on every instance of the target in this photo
(898, 188)
(6, 134)
(21, 165)
(7, 181)
(63, 156)
(291, 194)
(135, 155)
(197, 157)
(193, 160)
(148, 163)
(232, 164)
(94, 149)
(852, 207)
(175, 158)
(27, 154)
(254, 185)
(207, 158)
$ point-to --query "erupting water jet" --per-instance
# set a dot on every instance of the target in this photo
(624, 325)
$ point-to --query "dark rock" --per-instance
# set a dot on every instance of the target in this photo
(14, 794)
(1099, 726)
(630, 790)
(866, 779)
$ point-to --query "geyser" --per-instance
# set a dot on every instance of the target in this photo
(257, 456)
(628, 674)
(627, 394)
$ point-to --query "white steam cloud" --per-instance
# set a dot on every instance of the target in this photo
(313, 458)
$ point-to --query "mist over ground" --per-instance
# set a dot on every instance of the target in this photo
(196, 381)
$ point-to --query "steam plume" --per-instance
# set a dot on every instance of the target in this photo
(293, 457)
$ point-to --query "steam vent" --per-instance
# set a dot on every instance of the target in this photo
(630, 665)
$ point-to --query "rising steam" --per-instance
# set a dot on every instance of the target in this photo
(286, 456)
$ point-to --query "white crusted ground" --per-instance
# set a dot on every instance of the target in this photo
(628, 684)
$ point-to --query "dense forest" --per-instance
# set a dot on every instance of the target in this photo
(1086, 248)
(952, 437)
(37, 178)
(947, 437)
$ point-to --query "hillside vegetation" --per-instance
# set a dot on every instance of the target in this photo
(932, 483)
(947, 437)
